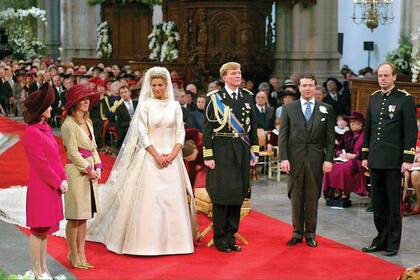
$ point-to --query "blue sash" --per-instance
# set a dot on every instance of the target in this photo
(236, 125)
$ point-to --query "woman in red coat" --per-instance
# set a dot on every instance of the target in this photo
(47, 178)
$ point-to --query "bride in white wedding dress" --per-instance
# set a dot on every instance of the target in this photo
(145, 207)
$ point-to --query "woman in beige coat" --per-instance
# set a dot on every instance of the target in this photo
(83, 171)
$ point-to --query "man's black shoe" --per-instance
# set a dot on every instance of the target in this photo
(294, 241)
(311, 242)
(235, 248)
(371, 249)
(390, 252)
(223, 249)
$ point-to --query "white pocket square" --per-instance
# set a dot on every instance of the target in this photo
(323, 119)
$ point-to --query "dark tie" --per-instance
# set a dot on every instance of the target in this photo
(262, 110)
(234, 95)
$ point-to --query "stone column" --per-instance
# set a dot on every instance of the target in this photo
(78, 28)
(306, 40)
(410, 16)
(50, 32)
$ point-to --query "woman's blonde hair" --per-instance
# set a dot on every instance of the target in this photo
(72, 113)
(228, 66)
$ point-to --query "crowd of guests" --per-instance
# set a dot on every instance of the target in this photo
(119, 90)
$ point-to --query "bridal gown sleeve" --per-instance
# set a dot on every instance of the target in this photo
(180, 130)
(143, 126)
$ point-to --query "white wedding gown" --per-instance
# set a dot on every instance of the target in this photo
(144, 209)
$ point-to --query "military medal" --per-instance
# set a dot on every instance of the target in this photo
(247, 106)
(247, 121)
(391, 110)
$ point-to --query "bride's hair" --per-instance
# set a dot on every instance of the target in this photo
(159, 74)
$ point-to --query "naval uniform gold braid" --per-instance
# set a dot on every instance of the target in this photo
(365, 149)
(217, 111)
(412, 152)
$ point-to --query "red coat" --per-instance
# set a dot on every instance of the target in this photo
(44, 206)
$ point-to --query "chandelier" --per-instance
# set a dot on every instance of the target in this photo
(373, 12)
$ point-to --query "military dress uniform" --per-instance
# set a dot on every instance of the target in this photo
(389, 140)
(229, 136)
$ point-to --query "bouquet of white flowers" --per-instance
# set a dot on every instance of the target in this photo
(163, 42)
(103, 43)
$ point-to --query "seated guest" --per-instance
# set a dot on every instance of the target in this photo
(197, 116)
(347, 175)
(412, 179)
(334, 96)
(124, 113)
(265, 113)
(273, 136)
(193, 155)
(341, 128)
(288, 97)
(319, 93)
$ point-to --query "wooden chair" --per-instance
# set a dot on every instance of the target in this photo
(273, 165)
(204, 205)
(264, 154)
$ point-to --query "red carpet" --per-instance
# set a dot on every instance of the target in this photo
(266, 257)
(13, 164)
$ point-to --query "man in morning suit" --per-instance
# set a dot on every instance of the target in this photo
(230, 146)
(388, 149)
(124, 113)
(306, 146)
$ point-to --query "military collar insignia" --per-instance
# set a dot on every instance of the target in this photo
(388, 92)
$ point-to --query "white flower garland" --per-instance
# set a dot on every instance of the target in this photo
(163, 42)
(22, 40)
(415, 56)
(103, 43)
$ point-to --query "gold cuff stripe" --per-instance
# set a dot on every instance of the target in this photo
(256, 149)
(411, 152)
(207, 152)
(365, 149)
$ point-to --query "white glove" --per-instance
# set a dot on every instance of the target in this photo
(64, 186)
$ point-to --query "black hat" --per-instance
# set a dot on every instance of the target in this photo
(337, 82)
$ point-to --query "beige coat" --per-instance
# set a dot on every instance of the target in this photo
(78, 203)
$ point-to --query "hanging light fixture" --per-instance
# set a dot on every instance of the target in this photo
(373, 12)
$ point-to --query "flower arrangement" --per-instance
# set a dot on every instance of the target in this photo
(401, 57)
(415, 56)
(20, 27)
(163, 42)
(103, 44)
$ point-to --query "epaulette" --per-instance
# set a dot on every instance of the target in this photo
(404, 91)
(212, 92)
(376, 92)
(249, 92)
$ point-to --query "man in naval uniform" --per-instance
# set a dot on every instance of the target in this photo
(230, 146)
(388, 150)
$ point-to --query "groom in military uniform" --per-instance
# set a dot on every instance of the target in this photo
(230, 146)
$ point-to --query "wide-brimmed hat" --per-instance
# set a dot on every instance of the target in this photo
(337, 82)
(288, 83)
(77, 93)
(37, 102)
(355, 115)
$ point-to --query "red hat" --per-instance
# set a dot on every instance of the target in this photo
(100, 82)
(355, 115)
(36, 103)
(77, 93)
